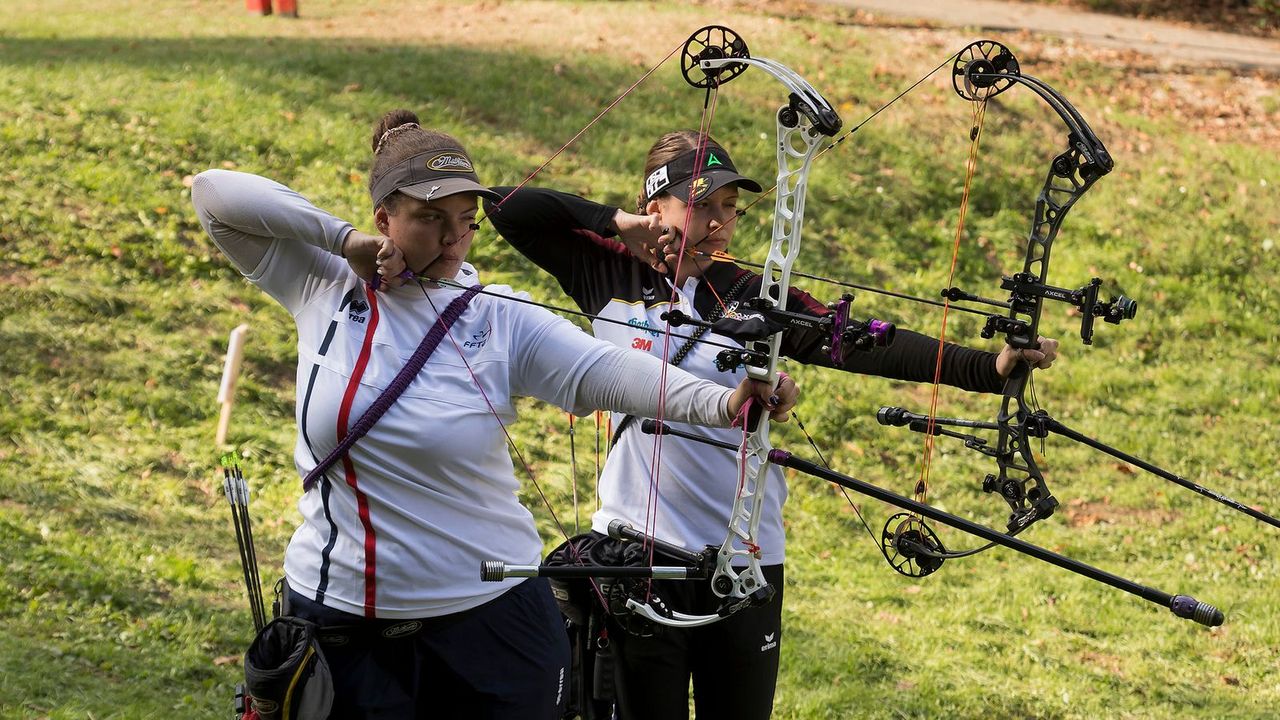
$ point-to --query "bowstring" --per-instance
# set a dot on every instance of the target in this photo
(978, 115)
(573, 475)
(651, 503)
(950, 58)
(573, 550)
(599, 413)
(581, 132)
(510, 441)
(857, 509)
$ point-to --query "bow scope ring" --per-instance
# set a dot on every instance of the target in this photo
(713, 42)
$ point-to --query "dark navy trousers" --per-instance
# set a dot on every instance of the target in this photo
(508, 658)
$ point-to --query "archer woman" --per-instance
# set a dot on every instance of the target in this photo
(621, 266)
(393, 535)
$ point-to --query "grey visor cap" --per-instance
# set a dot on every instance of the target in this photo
(429, 175)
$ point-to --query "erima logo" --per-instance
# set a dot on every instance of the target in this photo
(357, 309)
(402, 629)
(769, 643)
(656, 181)
(478, 340)
(450, 161)
(647, 293)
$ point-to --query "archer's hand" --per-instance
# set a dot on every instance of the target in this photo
(778, 401)
(374, 258)
(1042, 358)
(647, 239)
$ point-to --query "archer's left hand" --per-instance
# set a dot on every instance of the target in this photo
(1042, 358)
(777, 400)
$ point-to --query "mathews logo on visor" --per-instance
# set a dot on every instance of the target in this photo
(450, 161)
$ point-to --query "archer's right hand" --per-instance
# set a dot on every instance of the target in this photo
(646, 238)
(375, 258)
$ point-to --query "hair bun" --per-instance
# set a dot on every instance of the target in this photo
(393, 119)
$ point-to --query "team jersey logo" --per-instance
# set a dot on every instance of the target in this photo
(402, 629)
(479, 339)
(357, 309)
(656, 181)
(699, 187)
(450, 162)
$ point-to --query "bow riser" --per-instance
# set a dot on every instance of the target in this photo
(1070, 176)
(801, 126)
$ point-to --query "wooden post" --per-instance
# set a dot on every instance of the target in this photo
(287, 8)
(230, 373)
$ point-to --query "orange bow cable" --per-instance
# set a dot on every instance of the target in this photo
(979, 113)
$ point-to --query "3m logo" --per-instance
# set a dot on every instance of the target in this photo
(641, 344)
(450, 161)
(356, 310)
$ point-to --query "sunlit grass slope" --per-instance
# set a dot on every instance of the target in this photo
(120, 595)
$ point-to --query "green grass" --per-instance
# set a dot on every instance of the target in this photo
(121, 595)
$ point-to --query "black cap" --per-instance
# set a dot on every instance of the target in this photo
(431, 174)
(677, 176)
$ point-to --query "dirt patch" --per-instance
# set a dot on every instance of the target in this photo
(1217, 104)
(1112, 664)
(1084, 513)
(1233, 16)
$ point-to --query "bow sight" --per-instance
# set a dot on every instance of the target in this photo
(757, 319)
(1025, 288)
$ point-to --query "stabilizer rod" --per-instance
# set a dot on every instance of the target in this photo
(1183, 606)
(1057, 427)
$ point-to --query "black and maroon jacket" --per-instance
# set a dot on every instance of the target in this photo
(571, 238)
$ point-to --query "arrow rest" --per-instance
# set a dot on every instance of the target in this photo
(713, 42)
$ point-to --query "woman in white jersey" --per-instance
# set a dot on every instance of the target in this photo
(621, 266)
(393, 533)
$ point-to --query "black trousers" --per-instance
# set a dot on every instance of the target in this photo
(508, 658)
(733, 663)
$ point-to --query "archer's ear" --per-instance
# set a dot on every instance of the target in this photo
(652, 207)
(380, 220)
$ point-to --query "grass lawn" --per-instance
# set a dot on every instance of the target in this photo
(121, 595)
